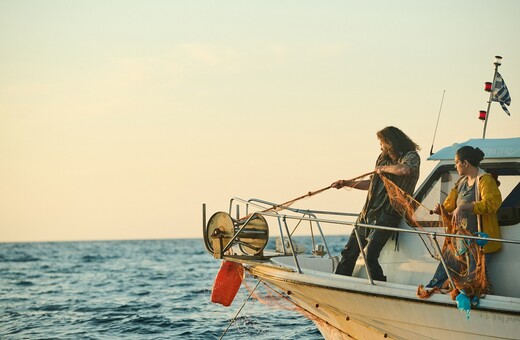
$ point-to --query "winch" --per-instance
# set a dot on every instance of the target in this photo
(222, 232)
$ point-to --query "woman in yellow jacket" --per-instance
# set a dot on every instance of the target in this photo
(474, 209)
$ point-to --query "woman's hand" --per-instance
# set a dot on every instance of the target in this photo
(456, 216)
(460, 211)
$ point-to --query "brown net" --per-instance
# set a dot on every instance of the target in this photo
(412, 210)
(464, 258)
(268, 296)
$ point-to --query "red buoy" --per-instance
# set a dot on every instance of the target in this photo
(227, 283)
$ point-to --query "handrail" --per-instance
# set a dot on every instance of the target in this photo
(310, 215)
(302, 211)
(433, 235)
(371, 226)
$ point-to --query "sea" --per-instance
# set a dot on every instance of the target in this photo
(139, 289)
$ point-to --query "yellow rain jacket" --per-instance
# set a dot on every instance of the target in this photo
(486, 208)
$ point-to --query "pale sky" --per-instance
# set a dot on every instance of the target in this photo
(118, 119)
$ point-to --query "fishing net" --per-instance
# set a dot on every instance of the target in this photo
(412, 211)
(464, 258)
(272, 298)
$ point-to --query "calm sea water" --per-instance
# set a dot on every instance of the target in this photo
(131, 289)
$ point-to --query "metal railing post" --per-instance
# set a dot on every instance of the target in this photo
(321, 234)
(362, 250)
(292, 246)
(434, 236)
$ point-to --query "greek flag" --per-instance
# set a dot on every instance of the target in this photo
(501, 93)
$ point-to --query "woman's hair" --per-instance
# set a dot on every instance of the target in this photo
(396, 140)
(470, 154)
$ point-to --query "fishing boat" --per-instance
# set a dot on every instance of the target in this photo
(357, 306)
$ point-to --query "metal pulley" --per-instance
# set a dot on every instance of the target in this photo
(222, 232)
(219, 231)
(254, 235)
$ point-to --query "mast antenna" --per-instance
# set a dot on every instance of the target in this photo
(436, 125)
(497, 63)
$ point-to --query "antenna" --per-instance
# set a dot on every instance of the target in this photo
(436, 125)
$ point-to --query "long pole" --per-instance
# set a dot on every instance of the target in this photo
(491, 94)
(436, 125)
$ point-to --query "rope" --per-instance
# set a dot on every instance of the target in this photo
(287, 204)
(309, 194)
(239, 310)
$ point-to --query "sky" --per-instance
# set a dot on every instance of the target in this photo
(119, 119)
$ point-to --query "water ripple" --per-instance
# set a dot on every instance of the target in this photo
(156, 289)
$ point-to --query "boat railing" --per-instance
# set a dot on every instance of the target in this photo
(432, 234)
(269, 209)
(311, 214)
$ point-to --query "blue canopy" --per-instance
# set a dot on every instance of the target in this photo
(492, 148)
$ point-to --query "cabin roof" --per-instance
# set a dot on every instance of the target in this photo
(492, 148)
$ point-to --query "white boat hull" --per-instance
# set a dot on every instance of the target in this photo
(346, 307)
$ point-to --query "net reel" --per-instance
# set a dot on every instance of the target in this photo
(223, 232)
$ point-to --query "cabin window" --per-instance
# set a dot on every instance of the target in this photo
(435, 191)
(509, 178)
(509, 212)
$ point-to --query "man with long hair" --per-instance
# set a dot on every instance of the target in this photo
(399, 162)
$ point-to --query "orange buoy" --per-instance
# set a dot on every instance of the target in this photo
(227, 283)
